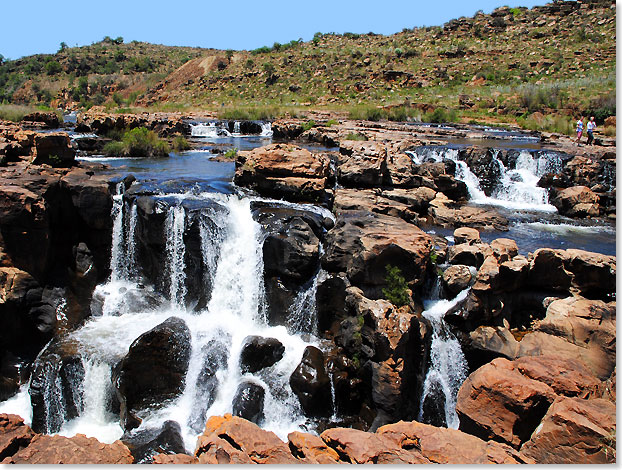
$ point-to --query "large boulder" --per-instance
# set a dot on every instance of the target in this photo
(153, 370)
(364, 244)
(359, 447)
(311, 448)
(230, 439)
(498, 402)
(79, 449)
(259, 352)
(53, 148)
(362, 164)
(457, 278)
(577, 201)
(311, 383)
(292, 253)
(49, 119)
(285, 171)
(56, 387)
(590, 324)
(575, 431)
(449, 446)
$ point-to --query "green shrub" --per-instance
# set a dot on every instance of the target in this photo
(397, 291)
(180, 143)
(231, 153)
(331, 122)
(308, 125)
(367, 113)
(52, 68)
(138, 142)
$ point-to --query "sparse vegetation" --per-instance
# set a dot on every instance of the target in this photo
(397, 291)
(231, 153)
(356, 136)
(138, 142)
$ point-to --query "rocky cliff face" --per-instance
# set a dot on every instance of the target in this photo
(55, 239)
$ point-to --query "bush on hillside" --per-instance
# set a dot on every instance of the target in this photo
(397, 291)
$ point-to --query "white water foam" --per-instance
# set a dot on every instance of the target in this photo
(234, 311)
(448, 367)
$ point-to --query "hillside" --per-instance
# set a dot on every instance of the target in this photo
(90, 75)
(515, 64)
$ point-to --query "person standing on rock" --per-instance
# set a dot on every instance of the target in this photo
(579, 129)
(591, 125)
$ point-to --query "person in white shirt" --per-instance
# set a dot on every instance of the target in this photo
(591, 125)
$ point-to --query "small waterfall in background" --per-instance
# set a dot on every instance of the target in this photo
(236, 127)
(448, 367)
(517, 188)
(209, 130)
(266, 129)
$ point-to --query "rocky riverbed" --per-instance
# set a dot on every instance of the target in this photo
(319, 215)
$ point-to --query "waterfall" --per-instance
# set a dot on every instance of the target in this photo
(302, 315)
(118, 235)
(175, 254)
(236, 127)
(209, 130)
(517, 188)
(266, 129)
(448, 368)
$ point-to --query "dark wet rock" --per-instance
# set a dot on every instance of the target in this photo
(259, 352)
(49, 119)
(311, 384)
(153, 370)
(56, 387)
(484, 164)
(147, 443)
(331, 302)
(215, 354)
(248, 402)
(292, 253)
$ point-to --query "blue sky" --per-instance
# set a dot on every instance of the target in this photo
(39, 26)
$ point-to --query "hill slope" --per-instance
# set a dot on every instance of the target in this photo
(558, 58)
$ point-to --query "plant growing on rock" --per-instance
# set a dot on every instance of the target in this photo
(397, 291)
(231, 153)
(180, 143)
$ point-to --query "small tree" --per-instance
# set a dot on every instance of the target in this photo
(63, 46)
(396, 291)
(229, 55)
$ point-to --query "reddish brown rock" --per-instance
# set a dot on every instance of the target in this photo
(14, 435)
(164, 459)
(457, 278)
(504, 249)
(362, 164)
(248, 440)
(539, 343)
(445, 213)
(566, 376)
(449, 446)
(82, 450)
(575, 431)
(283, 170)
(498, 402)
(466, 235)
(590, 324)
(54, 148)
(577, 201)
(360, 447)
(311, 449)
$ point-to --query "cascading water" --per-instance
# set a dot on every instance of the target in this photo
(209, 130)
(232, 254)
(448, 367)
(175, 254)
(266, 129)
(516, 189)
(236, 127)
